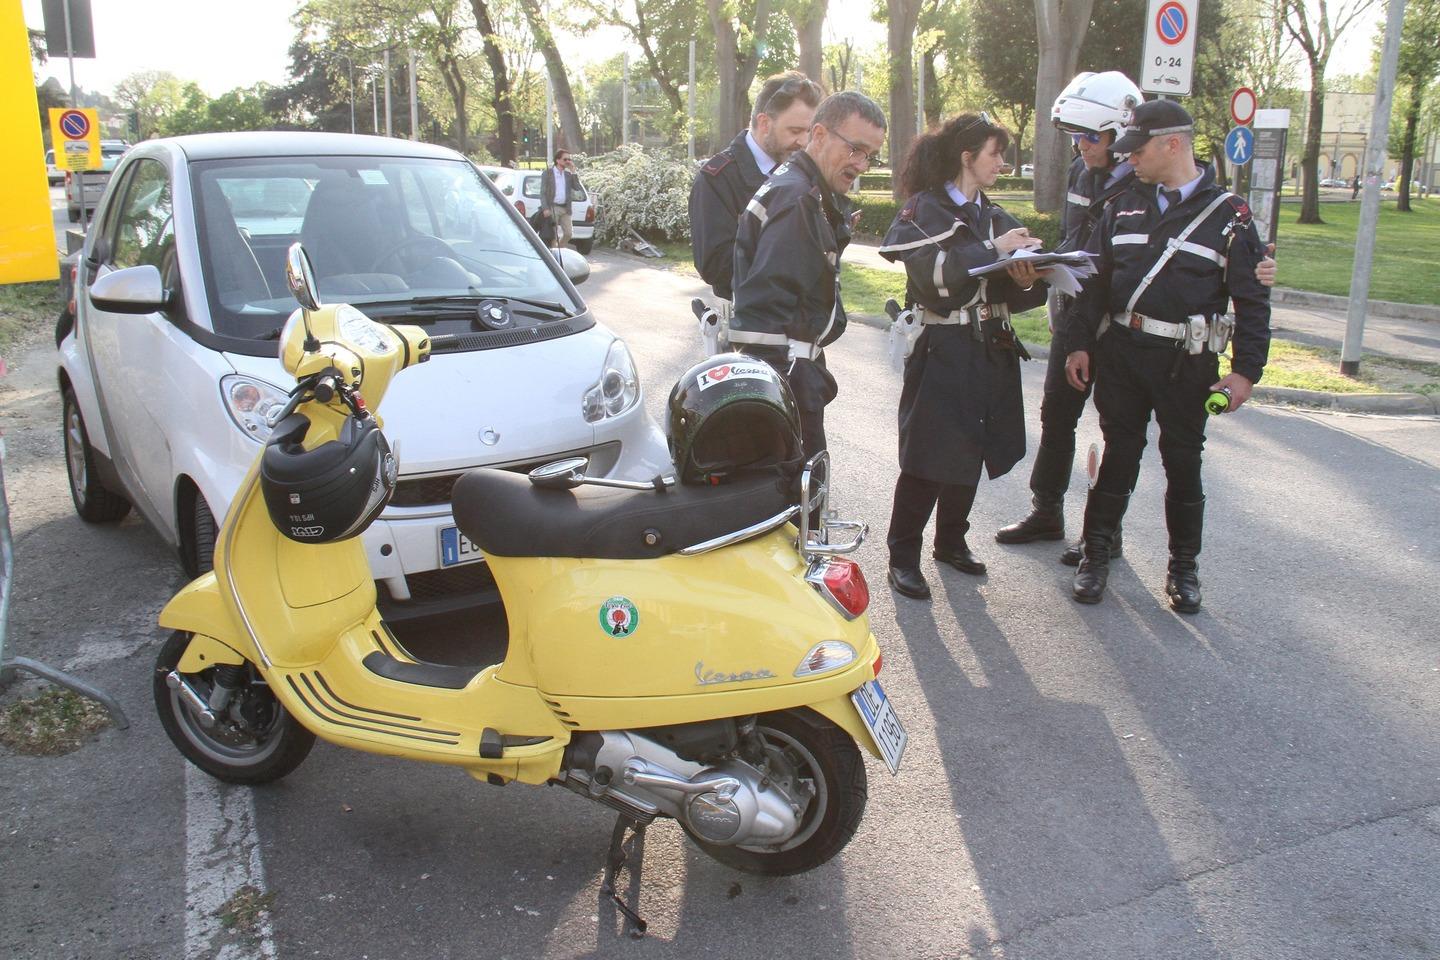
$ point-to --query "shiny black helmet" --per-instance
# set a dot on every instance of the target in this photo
(731, 414)
(331, 492)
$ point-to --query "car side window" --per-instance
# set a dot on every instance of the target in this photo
(532, 186)
(145, 227)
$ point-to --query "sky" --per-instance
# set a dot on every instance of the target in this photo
(255, 35)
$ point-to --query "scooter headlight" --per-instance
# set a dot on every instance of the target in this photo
(825, 656)
(618, 388)
(250, 403)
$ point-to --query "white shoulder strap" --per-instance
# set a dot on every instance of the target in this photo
(1171, 247)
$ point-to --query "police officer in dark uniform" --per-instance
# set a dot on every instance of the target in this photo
(784, 112)
(960, 408)
(1092, 109)
(787, 255)
(1172, 252)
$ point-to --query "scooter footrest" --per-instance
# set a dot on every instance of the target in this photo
(421, 674)
(491, 746)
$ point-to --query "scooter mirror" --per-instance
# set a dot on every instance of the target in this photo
(300, 275)
(560, 475)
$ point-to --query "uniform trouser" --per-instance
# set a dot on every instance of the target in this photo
(1060, 410)
(915, 499)
(1134, 379)
(560, 213)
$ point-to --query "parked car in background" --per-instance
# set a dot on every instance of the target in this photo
(95, 180)
(522, 188)
(1027, 169)
(1334, 182)
(166, 409)
(54, 173)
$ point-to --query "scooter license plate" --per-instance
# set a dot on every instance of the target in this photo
(456, 548)
(881, 720)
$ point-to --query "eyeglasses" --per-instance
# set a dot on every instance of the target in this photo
(981, 119)
(1088, 137)
(856, 150)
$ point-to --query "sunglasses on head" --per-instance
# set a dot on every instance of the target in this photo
(981, 119)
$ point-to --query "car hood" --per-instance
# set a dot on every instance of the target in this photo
(507, 405)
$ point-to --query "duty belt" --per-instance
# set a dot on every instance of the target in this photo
(802, 350)
(1158, 328)
(1198, 332)
(965, 316)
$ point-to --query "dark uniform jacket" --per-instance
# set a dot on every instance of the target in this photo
(961, 405)
(1131, 237)
(721, 189)
(1085, 199)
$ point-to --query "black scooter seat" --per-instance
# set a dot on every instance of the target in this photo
(508, 516)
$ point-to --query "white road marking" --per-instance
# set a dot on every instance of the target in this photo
(222, 855)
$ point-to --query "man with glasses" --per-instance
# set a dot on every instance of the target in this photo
(784, 111)
(787, 255)
(1092, 109)
(557, 188)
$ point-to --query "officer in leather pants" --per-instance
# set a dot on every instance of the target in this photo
(1172, 252)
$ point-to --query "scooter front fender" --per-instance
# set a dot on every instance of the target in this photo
(200, 609)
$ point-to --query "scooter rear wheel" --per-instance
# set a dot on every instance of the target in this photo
(805, 746)
(254, 739)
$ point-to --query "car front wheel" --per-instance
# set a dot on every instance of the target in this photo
(93, 501)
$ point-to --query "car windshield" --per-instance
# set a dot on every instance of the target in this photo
(387, 234)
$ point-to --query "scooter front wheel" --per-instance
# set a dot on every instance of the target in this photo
(252, 738)
(804, 748)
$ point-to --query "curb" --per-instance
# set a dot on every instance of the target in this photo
(1374, 308)
(1390, 404)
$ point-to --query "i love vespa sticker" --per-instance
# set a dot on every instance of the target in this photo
(735, 371)
(618, 617)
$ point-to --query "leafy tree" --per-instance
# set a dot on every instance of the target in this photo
(741, 29)
(1419, 66)
(1060, 27)
(152, 96)
(1007, 59)
(808, 18)
(662, 29)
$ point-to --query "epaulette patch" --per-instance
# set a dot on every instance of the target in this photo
(907, 212)
(1242, 209)
(717, 163)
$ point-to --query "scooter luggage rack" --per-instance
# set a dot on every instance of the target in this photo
(815, 493)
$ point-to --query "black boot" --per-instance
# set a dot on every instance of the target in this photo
(1071, 556)
(1185, 521)
(1046, 520)
(1102, 517)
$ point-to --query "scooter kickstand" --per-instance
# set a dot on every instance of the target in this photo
(618, 856)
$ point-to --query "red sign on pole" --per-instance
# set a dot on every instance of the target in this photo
(1242, 106)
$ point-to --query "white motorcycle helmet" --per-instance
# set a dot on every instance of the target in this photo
(1096, 102)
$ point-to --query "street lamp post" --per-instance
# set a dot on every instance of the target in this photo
(351, 64)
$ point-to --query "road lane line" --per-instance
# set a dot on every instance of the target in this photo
(222, 855)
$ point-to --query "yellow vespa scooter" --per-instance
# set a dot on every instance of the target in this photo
(674, 650)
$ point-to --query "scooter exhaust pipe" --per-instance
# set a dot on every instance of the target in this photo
(191, 698)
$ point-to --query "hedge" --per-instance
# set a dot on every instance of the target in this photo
(878, 210)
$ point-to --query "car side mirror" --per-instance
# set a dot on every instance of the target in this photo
(132, 290)
(576, 267)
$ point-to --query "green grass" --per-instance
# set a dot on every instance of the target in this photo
(1305, 367)
(52, 723)
(26, 305)
(1321, 257)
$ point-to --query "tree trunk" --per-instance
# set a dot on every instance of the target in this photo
(1060, 29)
(667, 84)
(903, 16)
(1407, 153)
(727, 124)
(934, 97)
(500, 77)
(809, 26)
(570, 137)
(455, 84)
(748, 62)
(1310, 158)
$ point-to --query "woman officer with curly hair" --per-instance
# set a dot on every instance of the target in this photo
(961, 408)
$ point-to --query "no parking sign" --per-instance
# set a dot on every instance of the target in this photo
(1169, 53)
(75, 135)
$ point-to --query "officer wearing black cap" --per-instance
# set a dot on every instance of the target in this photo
(787, 255)
(784, 111)
(1172, 253)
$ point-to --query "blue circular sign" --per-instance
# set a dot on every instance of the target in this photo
(74, 124)
(1172, 22)
(1239, 145)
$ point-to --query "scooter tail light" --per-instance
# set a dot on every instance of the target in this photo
(825, 656)
(879, 662)
(842, 582)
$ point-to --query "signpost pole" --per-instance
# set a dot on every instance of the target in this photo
(74, 102)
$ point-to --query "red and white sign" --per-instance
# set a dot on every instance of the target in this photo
(1242, 106)
(1169, 52)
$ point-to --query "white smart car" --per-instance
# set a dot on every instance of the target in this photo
(167, 379)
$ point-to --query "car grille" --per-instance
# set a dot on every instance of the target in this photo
(437, 490)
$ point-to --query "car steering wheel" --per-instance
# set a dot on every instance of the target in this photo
(442, 249)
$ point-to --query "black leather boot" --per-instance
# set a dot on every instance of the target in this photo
(1102, 517)
(1046, 520)
(1186, 522)
(1071, 556)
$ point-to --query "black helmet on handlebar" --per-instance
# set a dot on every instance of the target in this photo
(331, 492)
(731, 414)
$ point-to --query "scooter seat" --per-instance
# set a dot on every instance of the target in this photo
(508, 516)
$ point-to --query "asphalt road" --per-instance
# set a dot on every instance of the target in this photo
(1258, 781)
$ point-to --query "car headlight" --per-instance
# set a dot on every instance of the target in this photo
(250, 403)
(618, 388)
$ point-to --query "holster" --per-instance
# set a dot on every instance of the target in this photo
(1197, 335)
(1220, 329)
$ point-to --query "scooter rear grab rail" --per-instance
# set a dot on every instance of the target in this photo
(815, 497)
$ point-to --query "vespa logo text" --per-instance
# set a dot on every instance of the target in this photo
(705, 677)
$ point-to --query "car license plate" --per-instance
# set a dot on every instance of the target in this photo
(882, 722)
(456, 548)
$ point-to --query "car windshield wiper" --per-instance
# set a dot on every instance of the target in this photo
(471, 300)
